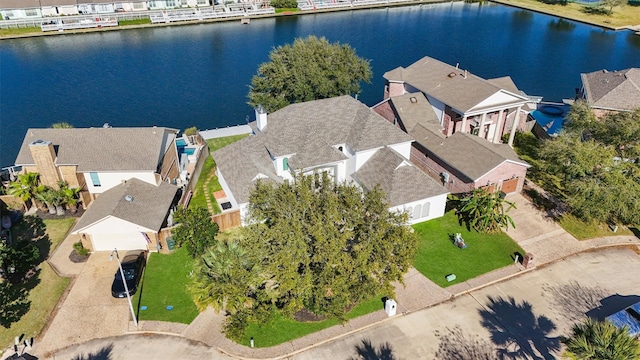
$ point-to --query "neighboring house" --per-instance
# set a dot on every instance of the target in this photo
(464, 102)
(59, 7)
(20, 9)
(611, 90)
(340, 136)
(128, 216)
(96, 7)
(462, 161)
(98, 159)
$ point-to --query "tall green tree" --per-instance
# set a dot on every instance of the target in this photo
(601, 340)
(484, 211)
(196, 231)
(309, 69)
(599, 164)
(324, 246)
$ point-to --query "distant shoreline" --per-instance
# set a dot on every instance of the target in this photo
(305, 12)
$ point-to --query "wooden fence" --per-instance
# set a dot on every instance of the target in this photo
(227, 220)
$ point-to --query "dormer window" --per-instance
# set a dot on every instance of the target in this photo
(285, 164)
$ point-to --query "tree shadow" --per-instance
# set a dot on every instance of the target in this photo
(366, 351)
(102, 354)
(517, 331)
(612, 304)
(455, 344)
(14, 299)
(573, 299)
(32, 228)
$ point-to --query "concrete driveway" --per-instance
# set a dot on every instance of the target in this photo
(89, 311)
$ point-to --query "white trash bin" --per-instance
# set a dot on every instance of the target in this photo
(390, 307)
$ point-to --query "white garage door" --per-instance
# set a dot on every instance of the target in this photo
(126, 241)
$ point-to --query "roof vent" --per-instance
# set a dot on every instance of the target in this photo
(452, 75)
(413, 99)
(40, 142)
(129, 198)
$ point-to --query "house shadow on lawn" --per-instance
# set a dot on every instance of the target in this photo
(102, 354)
(366, 351)
(517, 331)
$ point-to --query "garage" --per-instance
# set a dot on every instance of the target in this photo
(120, 241)
(509, 186)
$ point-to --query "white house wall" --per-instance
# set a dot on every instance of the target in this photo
(21, 13)
(61, 10)
(437, 106)
(112, 232)
(403, 149)
(227, 190)
(109, 180)
(418, 212)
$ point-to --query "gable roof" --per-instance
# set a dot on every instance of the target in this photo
(402, 182)
(449, 84)
(19, 4)
(417, 116)
(308, 134)
(103, 149)
(617, 90)
(472, 155)
(148, 208)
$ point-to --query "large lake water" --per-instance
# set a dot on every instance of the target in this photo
(198, 75)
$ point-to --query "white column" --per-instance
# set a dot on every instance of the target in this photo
(481, 130)
(464, 123)
(498, 134)
(514, 125)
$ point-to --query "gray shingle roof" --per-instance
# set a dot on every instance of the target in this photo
(472, 155)
(618, 90)
(310, 130)
(149, 207)
(403, 183)
(417, 115)
(103, 149)
(448, 83)
(19, 4)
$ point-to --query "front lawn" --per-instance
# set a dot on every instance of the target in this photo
(46, 287)
(164, 284)
(280, 329)
(583, 230)
(437, 256)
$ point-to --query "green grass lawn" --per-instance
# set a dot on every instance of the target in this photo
(209, 167)
(20, 31)
(134, 22)
(164, 284)
(47, 287)
(280, 329)
(582, 230)
(438, 257)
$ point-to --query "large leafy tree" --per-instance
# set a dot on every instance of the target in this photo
(601, 340)
(325, 246)
(196, 231)
(599, 164)
(484, 211)
(310, 69)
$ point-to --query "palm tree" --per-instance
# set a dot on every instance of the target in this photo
(68, 196)
(601, 340)
(26, 187)
(61, 125)
(485, 211)
(48, 197)
(224, 278)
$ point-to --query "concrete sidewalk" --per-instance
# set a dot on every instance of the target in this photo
(535, 232)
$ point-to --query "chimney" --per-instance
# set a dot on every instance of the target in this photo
(261, 117)
(44, 157)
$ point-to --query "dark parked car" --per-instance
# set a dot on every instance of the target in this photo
(132, 266)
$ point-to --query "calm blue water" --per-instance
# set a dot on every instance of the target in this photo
(199, 75)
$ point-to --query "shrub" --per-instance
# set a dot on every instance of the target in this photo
(80, 249)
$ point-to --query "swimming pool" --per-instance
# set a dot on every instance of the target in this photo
(181, 142)
(550, 117)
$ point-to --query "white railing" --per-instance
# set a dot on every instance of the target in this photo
(82, 24)
(219, 12)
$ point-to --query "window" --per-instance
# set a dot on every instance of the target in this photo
(8, 14)
(138, 6)
(171, 3)
(95, 179)
(417, 211)
(285, 164)
(425, 209)
(31, 12)
(203, 2)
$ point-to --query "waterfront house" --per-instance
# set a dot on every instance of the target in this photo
(462, 101)
(340, 136)
(461, 161)
(128, 216)
(608, 91)
(20, 9)
(59, 7)
(98, 159)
